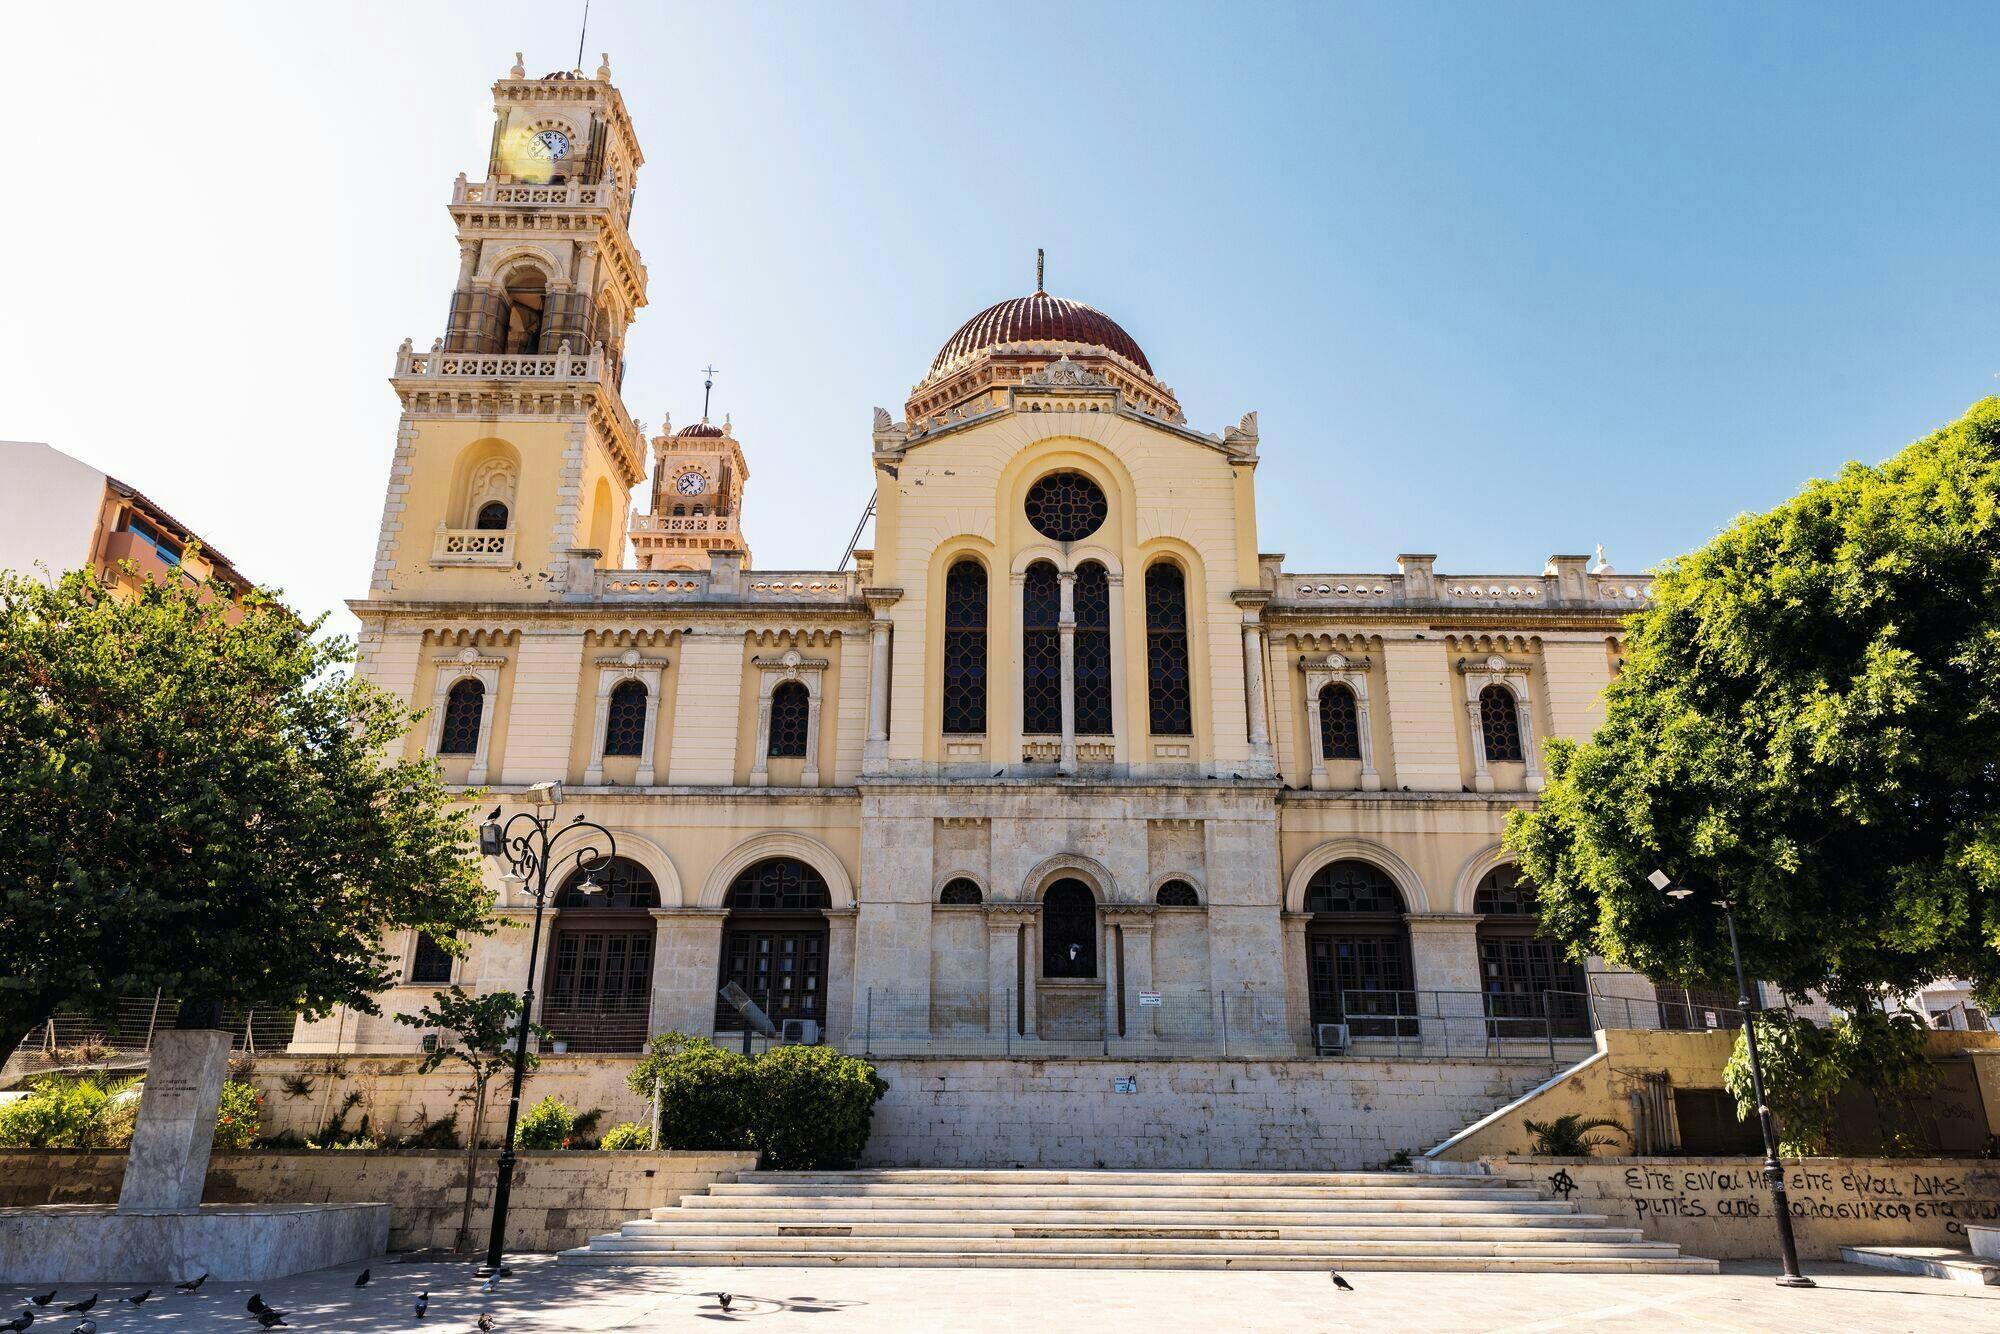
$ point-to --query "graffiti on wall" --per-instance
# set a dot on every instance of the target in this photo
(1867, 1193)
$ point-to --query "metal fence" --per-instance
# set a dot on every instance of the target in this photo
(127, 1026)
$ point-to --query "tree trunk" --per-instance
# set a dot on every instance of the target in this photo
(463, 1241)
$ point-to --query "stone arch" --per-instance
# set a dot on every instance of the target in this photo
(654, 858)
(1408, 883)
(488, 469)
(938, 883)
(498, 266)
(1200, 888)
(1070, 866)
(1473, 871)
(778, 843)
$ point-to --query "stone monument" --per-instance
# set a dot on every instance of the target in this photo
(168, 1162)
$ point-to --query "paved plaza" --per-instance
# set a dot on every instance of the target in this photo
(543, 1296)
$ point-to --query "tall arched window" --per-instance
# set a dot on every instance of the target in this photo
(1500, 725)
(1358, 952)
(625, 720)
(791, 711)
(1339, 725)
(774, 942)
(1069, 930)
(1527, 979)
(527, 299)
(1093, 650)
(1041, 651)
(492, 516)
(965, 649)
(459, 734)
(1170, 700)
(600, 980)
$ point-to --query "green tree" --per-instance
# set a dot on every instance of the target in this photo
(195, 797)
(1806, 723)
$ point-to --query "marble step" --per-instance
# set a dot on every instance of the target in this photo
(1518, 1202)
(1322, 1261)
(931, 1176)
(1140, 1245)
(1408, 1187)
(667, 1223)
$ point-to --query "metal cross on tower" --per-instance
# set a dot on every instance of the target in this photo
(708, 383)
(1038, 270)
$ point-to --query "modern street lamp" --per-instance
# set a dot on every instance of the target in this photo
(528, 844)
(1774, 1171)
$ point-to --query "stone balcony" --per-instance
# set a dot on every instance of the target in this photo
(472, 546)
(684, 525)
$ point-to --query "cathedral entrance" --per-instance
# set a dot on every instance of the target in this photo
(600, 980)
(774, 942)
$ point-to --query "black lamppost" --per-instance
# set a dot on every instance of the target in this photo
(530, 852)
(1774, 1171)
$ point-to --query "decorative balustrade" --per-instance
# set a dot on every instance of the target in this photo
(563, 364)
(472, 546)
(1458, 590)
(684, 524)
(752, 585)
(576, 194)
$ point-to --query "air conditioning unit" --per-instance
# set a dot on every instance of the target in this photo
(799, 1032)
(1330, 1038)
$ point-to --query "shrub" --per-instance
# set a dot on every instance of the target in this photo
(1569, 1136)
(549, 1124)
(1805, 1068)
(68, 1112)
(239, 1116)
(704, 1092)
(623, 1136)
(800, 1107)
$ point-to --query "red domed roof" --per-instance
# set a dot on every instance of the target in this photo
(700, 429)
(1040, 318)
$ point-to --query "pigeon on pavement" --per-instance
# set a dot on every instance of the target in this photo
(82, 1306)
(485, 1320)
(256, 1305)
(46, 1297)
(85, 1326)
(362, 1282)
(140, 1299)
(725, 1299)
(1342, 1284)
(193, 1284)
(423, 1303)
(21, 1321)
(269, 1318)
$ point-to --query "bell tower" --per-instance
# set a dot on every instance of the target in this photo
(515, 456)
(699, 474)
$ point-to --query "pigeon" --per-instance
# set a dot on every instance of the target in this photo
(257, 1307)
(423, 1303)
(362, 1282)
(492, 1282)
(82, 1306)
(45, 1298)
(140, 1299)
(193, 1284)
(1342, 1284)
(485, 1320)
(21, 1321)
(725, 1299)
(270, 1318)
(85, 1326)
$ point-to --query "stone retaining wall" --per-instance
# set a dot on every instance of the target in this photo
(560, 1199)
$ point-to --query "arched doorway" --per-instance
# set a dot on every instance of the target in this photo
(1069, 930)
(1532, 990)
(774, 942)
(600, 982)
(1358, 969)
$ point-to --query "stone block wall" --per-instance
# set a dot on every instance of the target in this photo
(560, 1199)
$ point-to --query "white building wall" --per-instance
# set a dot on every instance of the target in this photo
(49, 507)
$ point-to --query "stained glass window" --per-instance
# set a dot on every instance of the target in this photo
(965, 649)
(779, 884)
(791, 707)
(1169, 698)
(459, 734)
(1339, 726)
(626, 885)
(1500, 724)
(1093, 650)
(1041, 651)
(625, 720)
(1066, 507)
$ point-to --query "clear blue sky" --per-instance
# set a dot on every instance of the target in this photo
(1502, 280)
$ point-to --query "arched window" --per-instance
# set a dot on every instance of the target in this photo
(600, 980)
(961, 891)
(1169, 696)
(459, 734)
(527, 299)
(774, 942)
(680, 511)
(791, 707)
(1500, 725)
(965, 649)
(1093, 650)
(492, 516)
(1358, 965)
(1066, 507)
(625, 720)
(1531, 986)
(1339, 727)
(429, 964)
(1176, 894)
(1069, 930)
(1041, 651)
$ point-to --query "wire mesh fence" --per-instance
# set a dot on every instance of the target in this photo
(127, 1025)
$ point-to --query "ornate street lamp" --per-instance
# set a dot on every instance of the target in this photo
(528, 843)
(1774, 1171)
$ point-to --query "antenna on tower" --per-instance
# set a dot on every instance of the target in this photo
(1038, 270)
(580, 34)
(707, 384)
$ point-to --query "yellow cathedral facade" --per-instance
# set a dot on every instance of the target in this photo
(1066, 764)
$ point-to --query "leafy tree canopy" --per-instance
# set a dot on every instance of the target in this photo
(1807, 724)
(195, 798)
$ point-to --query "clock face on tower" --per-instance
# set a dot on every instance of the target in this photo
(690, 484)
(551, 144)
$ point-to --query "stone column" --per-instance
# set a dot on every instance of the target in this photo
(1252, 601)
(1444, 954)
(468, 263)
(840, 1014)
(168, 1162)
(1066, 633)
(1298, 980)
(1136, 965)
(687, 969)
(875, 754)
(1003, 960)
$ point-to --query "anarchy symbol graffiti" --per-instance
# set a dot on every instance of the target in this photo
(1562, 1183)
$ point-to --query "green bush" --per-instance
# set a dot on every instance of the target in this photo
(1805, 1068)
(625, 1135)
(1568, 1136)
(800, 1107)
(69, 1112)
(549, 1124)
(239, 1116)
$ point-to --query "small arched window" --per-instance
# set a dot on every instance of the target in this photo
(680, 511)
(429, 964)
(459, 734)
(1500, 725)
(965, 649)
(791, 708)
(960, 891)
(1041, 651)
(620, 885)
(1339, 724)
(1093, 650)
(1169, 697)
(1176, 894)
(492, 517)
(625, 720)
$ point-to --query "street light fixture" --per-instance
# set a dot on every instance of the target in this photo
(1774, 1171)
(528, 844)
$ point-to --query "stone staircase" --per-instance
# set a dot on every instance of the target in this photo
(1133, 1220)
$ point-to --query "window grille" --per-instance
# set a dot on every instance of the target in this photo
(1066, 507)
(625, 720)
(1339, 724)
(1169, 698)
(960, 891)
(779, 884)
(781, 963)
(1500, 724)
(965, 608)
(1352, 887)
(1177, 894)
(1041, 651)
(459, 734)
(1093, 650)
(626, 886)
(791, 708)
(429, 964)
